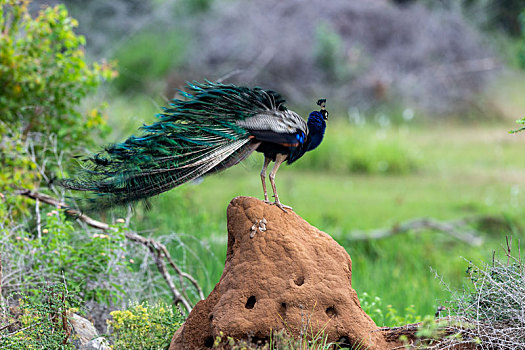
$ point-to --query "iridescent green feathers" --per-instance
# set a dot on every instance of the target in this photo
(193, 137)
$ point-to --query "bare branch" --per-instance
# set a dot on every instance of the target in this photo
(21, 330)
(159, 251)
(455, 229)
(182, 273)
(38, 218)
(73, 212)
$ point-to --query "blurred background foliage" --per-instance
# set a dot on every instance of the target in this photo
(434, 56)
(421, 95)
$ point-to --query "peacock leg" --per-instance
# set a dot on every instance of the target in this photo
(279, 159)
(263, 178)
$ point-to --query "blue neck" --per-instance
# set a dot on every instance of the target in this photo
(316, 128)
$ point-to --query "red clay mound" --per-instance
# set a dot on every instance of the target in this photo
(287, 275)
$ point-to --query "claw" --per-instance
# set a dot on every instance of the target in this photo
(282, 206)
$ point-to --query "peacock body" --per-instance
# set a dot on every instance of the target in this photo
(215, 127)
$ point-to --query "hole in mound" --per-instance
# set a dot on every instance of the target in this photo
(282, 309)
(259, 341)
(209, 342)
(299, 281)
(331, 312)
(344, 343)
(211, 317)
(250, 303)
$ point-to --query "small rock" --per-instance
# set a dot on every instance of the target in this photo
(83, 330)
(99, 343)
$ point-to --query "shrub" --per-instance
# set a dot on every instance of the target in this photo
(491, 308)
(144, 326)
(41, 324)
(21, 172)
(93, 264)
(44, 74)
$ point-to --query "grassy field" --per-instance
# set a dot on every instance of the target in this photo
(363, 178)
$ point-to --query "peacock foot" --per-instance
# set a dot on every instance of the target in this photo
(282, 206)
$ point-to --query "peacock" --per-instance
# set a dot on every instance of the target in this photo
(215, 126)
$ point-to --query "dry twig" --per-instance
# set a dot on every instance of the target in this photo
(157, 249)
(456, 229)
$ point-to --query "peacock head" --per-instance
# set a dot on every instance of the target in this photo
(322, 102)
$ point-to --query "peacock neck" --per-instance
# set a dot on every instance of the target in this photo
(316, 129)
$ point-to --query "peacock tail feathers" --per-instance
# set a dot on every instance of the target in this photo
(206, 132)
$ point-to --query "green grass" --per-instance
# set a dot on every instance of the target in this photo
(447, 172)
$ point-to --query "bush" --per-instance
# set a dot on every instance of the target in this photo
(44, 74)
(41, 324)
(491, 308)
(143, 326)
(92, 264)
(21, 172)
